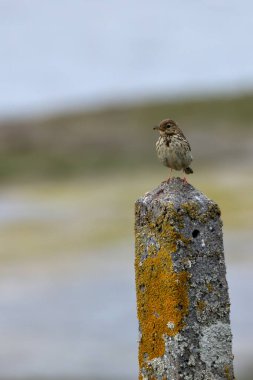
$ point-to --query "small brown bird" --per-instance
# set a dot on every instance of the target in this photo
(172, 147)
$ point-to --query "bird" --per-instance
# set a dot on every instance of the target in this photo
(173, 148)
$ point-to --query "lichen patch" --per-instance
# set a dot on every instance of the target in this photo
(165, 298)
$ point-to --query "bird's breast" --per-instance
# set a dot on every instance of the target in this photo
(173, 152)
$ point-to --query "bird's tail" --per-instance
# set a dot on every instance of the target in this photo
(188, 170)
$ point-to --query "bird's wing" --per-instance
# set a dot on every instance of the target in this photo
(185, 139)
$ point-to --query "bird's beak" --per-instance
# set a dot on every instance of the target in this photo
(156, 128)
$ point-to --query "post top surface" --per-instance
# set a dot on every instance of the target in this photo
(175, 191)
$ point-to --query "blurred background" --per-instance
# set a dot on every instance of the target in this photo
(82, 84)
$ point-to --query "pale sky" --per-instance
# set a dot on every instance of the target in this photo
(59, 53)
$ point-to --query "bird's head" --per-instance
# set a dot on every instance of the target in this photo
(166, 126)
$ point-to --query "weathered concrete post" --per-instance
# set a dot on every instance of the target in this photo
(182, 293)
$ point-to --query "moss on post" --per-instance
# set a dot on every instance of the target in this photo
(182, 293)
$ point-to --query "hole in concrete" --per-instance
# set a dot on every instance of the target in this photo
(195, 233)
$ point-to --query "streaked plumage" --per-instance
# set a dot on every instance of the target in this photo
(172, 147)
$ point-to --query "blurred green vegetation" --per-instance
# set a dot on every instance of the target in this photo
(77, 216)
(121, 137)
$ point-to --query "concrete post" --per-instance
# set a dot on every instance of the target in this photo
(182, 293)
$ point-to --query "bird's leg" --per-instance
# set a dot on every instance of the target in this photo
(185, 180)
(168, 180)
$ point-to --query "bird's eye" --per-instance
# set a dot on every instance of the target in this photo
(168, 125)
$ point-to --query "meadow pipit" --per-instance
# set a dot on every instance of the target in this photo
(172, 147)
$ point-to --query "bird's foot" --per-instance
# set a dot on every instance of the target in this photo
(166, 180)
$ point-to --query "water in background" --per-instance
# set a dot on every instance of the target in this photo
(72, 320)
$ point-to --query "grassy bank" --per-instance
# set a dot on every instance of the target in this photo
(119, 138)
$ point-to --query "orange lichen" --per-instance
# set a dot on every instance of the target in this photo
(201, 305)
(165, 298)
(227, 372)
(209, 287)
(193, 210)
